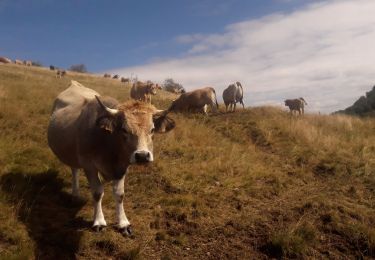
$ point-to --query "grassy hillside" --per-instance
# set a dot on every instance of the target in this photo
(255, 184)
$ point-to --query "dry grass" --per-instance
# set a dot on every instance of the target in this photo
(253, 184)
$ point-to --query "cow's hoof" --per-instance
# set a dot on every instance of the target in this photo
(127, 231)
(98, 228)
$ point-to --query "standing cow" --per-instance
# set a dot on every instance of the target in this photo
(28, 62)
(18, 62)
(233, 94)
(102, 136)
(142, 91)
(297, 104)
(196, 100)
(106, 75)
(60, 73)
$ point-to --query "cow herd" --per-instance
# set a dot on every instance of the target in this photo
(16, 61)
(104, 137)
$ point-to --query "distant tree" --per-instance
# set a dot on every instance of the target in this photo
(78, 68)
(172, 86)
(37, 63)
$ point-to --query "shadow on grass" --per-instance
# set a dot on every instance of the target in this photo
(48, 212)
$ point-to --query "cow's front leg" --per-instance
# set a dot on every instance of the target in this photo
(97, 191)
(122, 220)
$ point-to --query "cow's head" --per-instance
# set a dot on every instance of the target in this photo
(133, 125)
(152, 87)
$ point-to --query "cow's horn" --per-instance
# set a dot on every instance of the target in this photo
(109, 110)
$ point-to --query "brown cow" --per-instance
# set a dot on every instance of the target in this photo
(18, 62)
(196, 100)
(116, 76)
(106, 75)
(60, 73)
(125, 80)
(142, 91)
(102, 136)
(5, 60)
(297, 104)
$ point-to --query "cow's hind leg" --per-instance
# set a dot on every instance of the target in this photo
(75, 182)
(118, 193)
(97, 190)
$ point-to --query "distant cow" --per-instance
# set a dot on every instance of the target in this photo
(60, 73)
(18, 62)
(125, 80)
(233, 94)
(51, 67)
(196, 100)
(142, 91)
(28, 63)
(5, 60)
(102, 136)
(296, 105)
(106, 75)
(116, 76)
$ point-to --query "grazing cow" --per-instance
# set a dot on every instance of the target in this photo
(196, 100)
(28, 62)
(5, 60)
(60, 73)
(297, 104)
(142, 91)
(125, 80)
(51, 67)
(106, 75)
(116, 76)
(233, 94)
(18, 62)
(102, 136)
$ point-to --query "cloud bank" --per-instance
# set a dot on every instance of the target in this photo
(324, 52)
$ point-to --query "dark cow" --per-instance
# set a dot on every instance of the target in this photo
(102, 136)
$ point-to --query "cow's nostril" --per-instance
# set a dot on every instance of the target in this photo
(142, 156)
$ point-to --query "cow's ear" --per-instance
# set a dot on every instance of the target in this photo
(107, 123)
(163, 123)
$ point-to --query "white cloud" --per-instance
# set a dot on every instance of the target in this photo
(324, 52)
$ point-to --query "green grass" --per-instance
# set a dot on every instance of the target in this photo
(252, 184)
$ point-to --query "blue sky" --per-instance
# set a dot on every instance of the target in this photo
(322, 50)
(112, 34)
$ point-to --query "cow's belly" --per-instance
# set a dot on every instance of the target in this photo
(62, 132)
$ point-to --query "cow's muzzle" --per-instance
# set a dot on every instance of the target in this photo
(142, 157)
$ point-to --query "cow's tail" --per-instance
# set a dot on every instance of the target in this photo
(217, 104)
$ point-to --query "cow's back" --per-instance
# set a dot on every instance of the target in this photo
(196, 99)
(63, 127)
